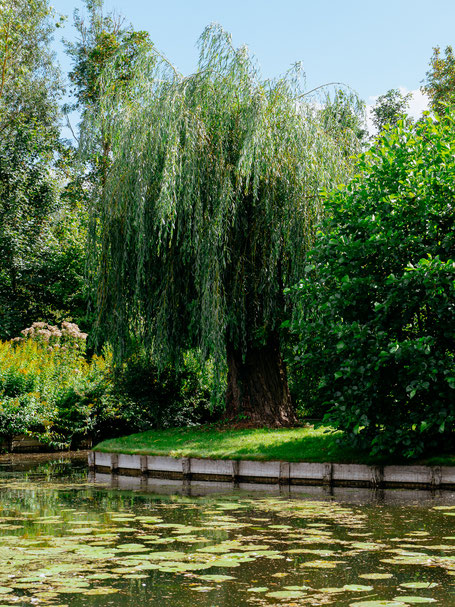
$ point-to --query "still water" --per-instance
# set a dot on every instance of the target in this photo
(65, 540)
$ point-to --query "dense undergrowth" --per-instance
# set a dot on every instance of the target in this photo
(51, 390)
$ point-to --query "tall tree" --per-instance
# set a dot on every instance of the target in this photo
(209, 207)
(440, 79)
(343, 115)
(390, 108)
(30, 84)
(30, 88)
(104, 40)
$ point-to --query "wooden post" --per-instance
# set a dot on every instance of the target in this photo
(327, 476)
(235, 472)
(144, 467)
(186, 467)
(436, 477)
(114, 463)
(285, 468)
(377, 476)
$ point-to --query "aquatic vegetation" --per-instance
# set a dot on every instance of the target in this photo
(66, 541)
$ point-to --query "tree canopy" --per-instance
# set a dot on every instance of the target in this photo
(390, 108)
(104, 40)
(376, 316)
(30, 88)
(440, 79)
(30, 85)
(101, 38)
(210, 204)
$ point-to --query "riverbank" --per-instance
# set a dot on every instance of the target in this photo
(305, 444)
(20, 459)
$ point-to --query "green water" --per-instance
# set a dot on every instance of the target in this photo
(66, 541)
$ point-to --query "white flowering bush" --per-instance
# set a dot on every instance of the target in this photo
(68, 336)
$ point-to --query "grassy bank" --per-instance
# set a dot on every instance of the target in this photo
(294, 445)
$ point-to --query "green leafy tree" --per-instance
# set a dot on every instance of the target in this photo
(377, 302)
(30, 88)
(103, 41)
(30, 85)
(43, 234)
(390, 108)
(343, 116)
(208, 210)
(440, 79)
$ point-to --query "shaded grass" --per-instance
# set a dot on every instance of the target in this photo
(294, 445)
(440, 460)
(306, 444)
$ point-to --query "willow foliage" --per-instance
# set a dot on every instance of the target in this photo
(211, 201)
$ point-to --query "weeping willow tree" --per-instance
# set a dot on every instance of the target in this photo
(208, 208)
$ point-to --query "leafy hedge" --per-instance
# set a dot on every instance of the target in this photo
(376, 307)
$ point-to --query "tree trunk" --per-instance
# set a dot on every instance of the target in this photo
(257, 389)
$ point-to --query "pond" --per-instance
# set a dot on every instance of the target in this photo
(65, 540)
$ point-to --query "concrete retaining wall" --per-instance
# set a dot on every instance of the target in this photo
(273, 472)
(22, 443)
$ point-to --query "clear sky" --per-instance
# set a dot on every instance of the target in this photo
(370, 46)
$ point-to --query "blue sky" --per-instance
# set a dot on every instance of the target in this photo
(370, 46)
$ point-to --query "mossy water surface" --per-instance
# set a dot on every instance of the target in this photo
(66, 541)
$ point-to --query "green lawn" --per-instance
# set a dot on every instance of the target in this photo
(294, 445)
(305, 444)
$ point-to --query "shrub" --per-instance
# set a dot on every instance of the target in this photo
(40, 373)
(376, 307)
(147, 398)
(50, 390)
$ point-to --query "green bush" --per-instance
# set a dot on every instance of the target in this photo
(41, 373)
(147, 398)
(51, 391)
(375, 316)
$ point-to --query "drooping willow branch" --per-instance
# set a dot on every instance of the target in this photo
(211, 201)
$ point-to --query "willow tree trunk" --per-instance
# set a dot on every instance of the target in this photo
(257, 389)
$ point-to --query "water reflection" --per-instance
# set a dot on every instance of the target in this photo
(67, 538)
(354, 495)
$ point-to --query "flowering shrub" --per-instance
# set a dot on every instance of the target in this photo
(51, 391)
(68, 336)
(39, 373)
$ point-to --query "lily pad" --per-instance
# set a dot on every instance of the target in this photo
(101, 591)
(216, 578)
(383, 603)
(418, 585)
(286, 594)
(415, 599)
